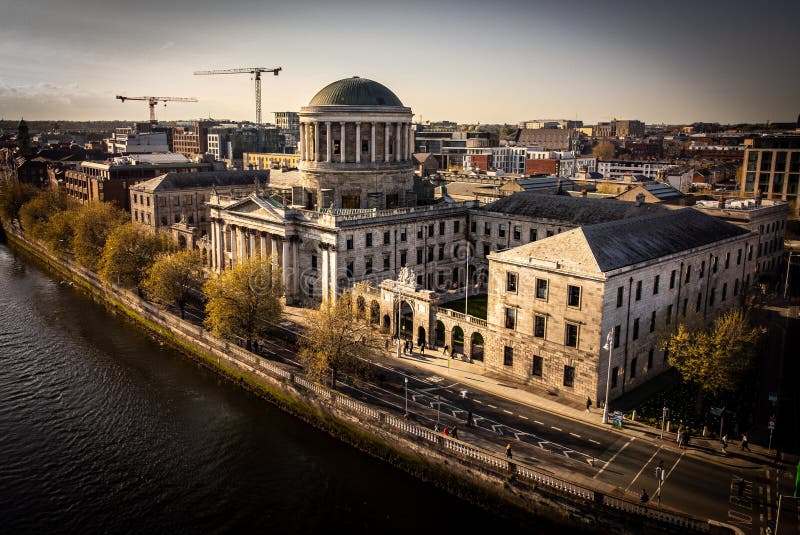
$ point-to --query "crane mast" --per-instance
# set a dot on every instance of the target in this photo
(256, 72)
(152, 101)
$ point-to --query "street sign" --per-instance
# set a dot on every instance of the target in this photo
(716, 411)
(771, 424)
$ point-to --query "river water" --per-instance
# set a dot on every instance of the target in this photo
(104, 429)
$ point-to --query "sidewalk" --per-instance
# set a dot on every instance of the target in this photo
(474, 376)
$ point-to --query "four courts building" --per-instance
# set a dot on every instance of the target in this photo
(556, 273)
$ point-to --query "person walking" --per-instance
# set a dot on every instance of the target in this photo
(508, 450)
(745, 442)
(588, 404)
(446, 431)
(724, 441)
(422, 348)
(454, 433)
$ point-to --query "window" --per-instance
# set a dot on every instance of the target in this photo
(739, 256)
(571, 335)
(736, 287)
(614, 375)
(441, 228)
(539, 326)
(569, 376)
(368, 265)
(501, 230)
(573, 296)
(712, 296)
(176, 201)
(487, 248)
(430, 253)
(177, 218)
(533, 234)
(655, 284)
(541, 288)
(638, 290)
(403, 258)
(511, 282)
(620, 293)
(349, 243)
(456, 227)
(617, 332)
(403, 236)
(350, 269)
(669, 314)
(487, 229)
(387, 238)
(724, 291)
(635, 335)
(314, 262)
(473, 226)
(653, 321)
(386, 263)
(750, 251)
(702, 269)
(508, 356)
(419, 256)
(430, 230)
(699, 302)
(714, 262)
(633, 367)
(550, 233)
(685, 304)
(420, 232)
(537, 366)
(688, 274)
(441, 251)
(517, 232)
(727, 260)
(164, 220)
(650, 358)
(511, 317)
(672, 279)
(369, 239)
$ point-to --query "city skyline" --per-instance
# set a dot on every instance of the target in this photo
(460, 61)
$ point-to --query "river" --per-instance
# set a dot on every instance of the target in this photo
(105, 429)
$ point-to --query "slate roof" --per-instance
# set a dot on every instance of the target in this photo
(203, 179)
(575, 210)
(545, 182)
(605, 247)
(663, 191)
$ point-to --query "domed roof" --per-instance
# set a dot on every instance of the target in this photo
(355, 91)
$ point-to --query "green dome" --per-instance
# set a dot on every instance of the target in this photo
(355, 91)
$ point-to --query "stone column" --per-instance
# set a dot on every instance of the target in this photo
(328, 141)
(342, 143)
(295, 267)
(316, 141)
(302, 141)
(213, 256)
(274, 249)
(221, 256)
(287, 269)
(240, 246)
(323, 274)
(234, 243)
(263, 245)
(333, 271)
(372, 144)
(397, 144)
(252, 243)
(386, 142)
(358, 142)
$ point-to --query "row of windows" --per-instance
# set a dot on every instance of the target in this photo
(516, 231)
(537, 368)
(370, 238)
(542, 289)
(571, 330)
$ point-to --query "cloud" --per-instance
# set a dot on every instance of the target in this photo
(168, 44)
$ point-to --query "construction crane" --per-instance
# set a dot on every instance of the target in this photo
(152, 101)
(256, 71)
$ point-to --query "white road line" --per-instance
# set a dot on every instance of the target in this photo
(575, 435)
(523, 417)
(478, 401)
(508, 412)
(490, 405)
(643, 467)
(554, 427)
(538, 422)
(596, 442)
(614, 457)
(673, 467)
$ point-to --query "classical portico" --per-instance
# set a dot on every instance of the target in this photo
(356, 146)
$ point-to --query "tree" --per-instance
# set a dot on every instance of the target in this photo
(93, 223)
(60, 231)
(172, 278)
(128, 252)
(35, 215)
(14, 194)
(715, 358)
(604, 150)
(338, 340)
(245, 300)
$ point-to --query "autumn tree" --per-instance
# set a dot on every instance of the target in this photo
(60, 231)
(717, 357)
(338, 339)
(14, 194)
(35, 215)
(604, 150)
(244, 301)
(128, 252)
(173, 277)
(92, 225)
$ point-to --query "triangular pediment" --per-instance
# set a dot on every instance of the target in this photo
(257, 208)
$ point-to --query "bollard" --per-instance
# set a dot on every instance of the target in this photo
(633, 416)
(668, 426)
(705, 431)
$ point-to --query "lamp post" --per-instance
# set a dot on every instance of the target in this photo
(609, 345)
(406, 382)
(438, 406)
(664, 411)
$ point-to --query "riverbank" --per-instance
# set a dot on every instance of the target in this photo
(510, 489)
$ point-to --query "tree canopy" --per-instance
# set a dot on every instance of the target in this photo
(716, 357)
(35, 215)
(13, 194)
(172, 278)
(92, 225)
(245, 300)
(604, 150)
(129, 250)
(338, 339)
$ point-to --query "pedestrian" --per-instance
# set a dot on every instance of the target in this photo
(422, 348)
(446, 431)
(446, 349)
(679, 437)
(469, 418)
(745, 442)
(588, 404)
(645, 498)
(724, 441)
(436, 427)
(454, 433)
(508, 450)
(685, 440)
(423, 345)
(660, 470)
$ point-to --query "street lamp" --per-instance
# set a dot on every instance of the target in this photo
(438, 405)
(664, 411)
(609, 345)
(406, 381)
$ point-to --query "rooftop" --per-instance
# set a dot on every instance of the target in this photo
(203, 179)
(355, 91)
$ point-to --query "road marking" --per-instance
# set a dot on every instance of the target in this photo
(596, 442)
(478, 401)
(673, 467)
(523, 417)
(611, 460)
(643, 467)
(575, 435)
(508, 412)
(554, 427)
(490, 405)
(538, 422)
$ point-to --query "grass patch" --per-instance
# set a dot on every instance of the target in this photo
(477, 305)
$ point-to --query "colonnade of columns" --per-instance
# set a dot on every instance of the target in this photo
(329, 272)
(398, 134)
(244, 243)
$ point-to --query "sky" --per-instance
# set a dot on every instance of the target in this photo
(500, 61)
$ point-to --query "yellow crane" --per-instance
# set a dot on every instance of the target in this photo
(152, 101)
(256, 72)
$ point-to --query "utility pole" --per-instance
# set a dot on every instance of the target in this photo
(609, 345)
(664, 411)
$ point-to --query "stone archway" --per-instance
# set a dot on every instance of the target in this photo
(476, 346)
(421, 335)
(374, 313)
(440, 334)
(361, 308)
(387, 322)
(457, 340)
(406, 320)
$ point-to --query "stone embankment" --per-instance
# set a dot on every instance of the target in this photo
(508, 487)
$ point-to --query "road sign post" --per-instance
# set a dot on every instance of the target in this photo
(771, 426)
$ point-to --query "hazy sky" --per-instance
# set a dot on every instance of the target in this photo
(461, 60)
